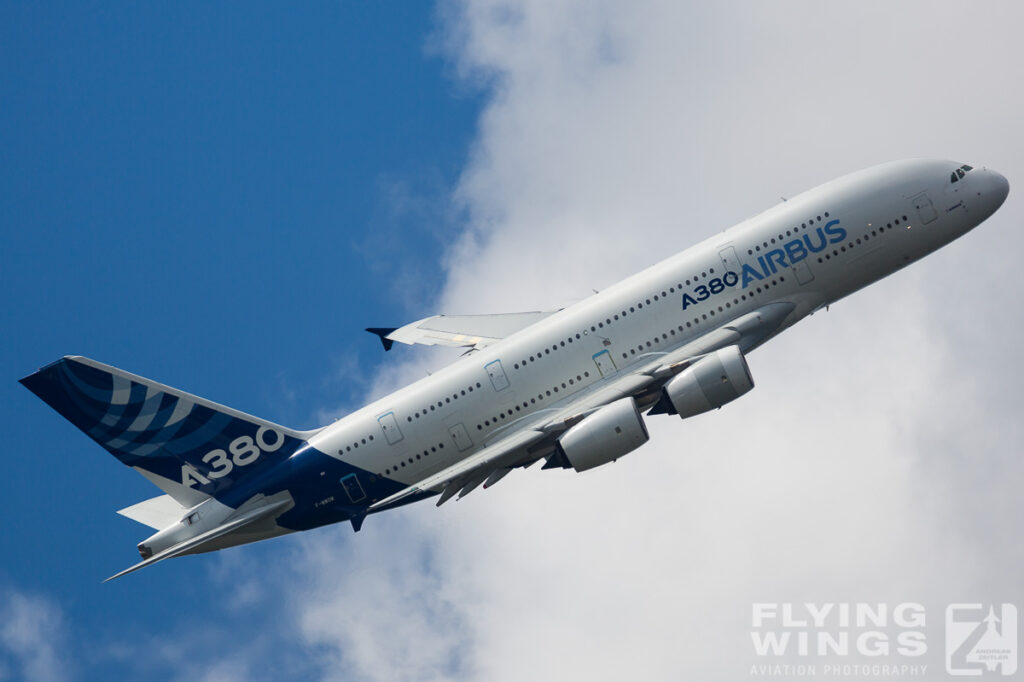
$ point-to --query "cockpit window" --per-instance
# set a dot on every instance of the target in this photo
(960, 172)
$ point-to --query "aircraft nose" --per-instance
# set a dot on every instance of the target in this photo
(992, 189)
(1000, 187)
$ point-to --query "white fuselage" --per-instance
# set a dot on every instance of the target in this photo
(808, 251)
(567, 387)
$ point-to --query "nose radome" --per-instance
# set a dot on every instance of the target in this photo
(992, 189)
(1000, 187)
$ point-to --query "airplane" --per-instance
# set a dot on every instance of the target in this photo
(572, 387)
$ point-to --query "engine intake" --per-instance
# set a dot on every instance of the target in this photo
(613, 431)
(712, 381)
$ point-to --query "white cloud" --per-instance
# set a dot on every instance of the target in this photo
(31, 638)
(378, 613)
(878, 459)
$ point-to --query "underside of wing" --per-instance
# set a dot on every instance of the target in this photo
(459, 331)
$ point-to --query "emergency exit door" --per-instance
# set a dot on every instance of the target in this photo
(604, 363)
(730, 261)
(497, 375)
(353, 488)
(389, 425)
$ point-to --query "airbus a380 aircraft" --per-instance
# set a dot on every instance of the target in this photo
(568, 387)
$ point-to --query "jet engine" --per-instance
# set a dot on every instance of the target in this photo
(613, 431)
(712, 381)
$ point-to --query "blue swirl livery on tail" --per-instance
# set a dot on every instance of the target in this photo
(191, 448)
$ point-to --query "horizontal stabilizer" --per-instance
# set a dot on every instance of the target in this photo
(194, 544)
(156, 512)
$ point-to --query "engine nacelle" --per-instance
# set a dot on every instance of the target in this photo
(712, 381)
(613, 431)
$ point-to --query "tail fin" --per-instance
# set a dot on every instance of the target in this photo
(189, 447)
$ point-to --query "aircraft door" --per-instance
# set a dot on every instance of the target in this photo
(924, 207)
(497, 375)
(730, 260)
(389, 425)
(353, 488)
(459, 436)
(604, 363)
(802, 272)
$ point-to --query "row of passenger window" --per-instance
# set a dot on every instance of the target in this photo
(426, 453)
(533, 401)
(600, 325)
(614, 318)
(697, 320)
(579, 336)
(586, 374)
(579, 378)
(561, 344)
(789, 233)
(554, 390)
(442, 403)
(860, 240)
(649, 344)
(350, 448)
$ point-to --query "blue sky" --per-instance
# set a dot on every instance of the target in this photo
(222, 198)
(219, 197)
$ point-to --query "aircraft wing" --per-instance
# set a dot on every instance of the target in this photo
(459, 331)
(523, 442)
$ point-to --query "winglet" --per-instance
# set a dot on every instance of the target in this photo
(383, 332)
